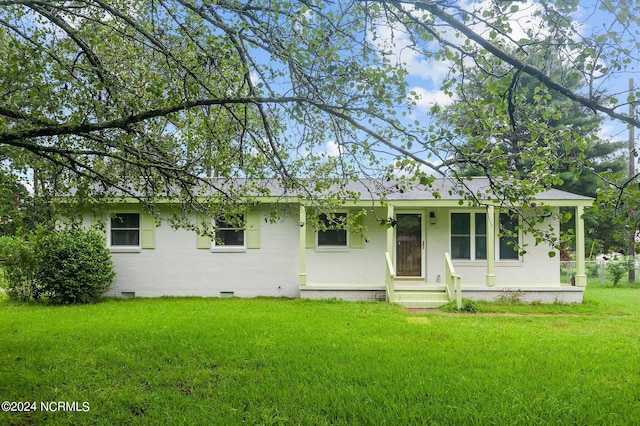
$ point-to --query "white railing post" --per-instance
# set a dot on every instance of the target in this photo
(453, 282)
(458, 291)
(389, 278)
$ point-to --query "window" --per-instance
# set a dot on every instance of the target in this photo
(331, 234)
(229, 232)
(509, 238)
(125, 229)
(469, 236)
(461, 235)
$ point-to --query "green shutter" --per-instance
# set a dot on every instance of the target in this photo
(203, 241)
(253, 230)
(148, 231)
(356, 238)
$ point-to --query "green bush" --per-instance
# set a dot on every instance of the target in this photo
(73, 266)
(620, 266)
(593, 269)
(18, 263)
(468, 305)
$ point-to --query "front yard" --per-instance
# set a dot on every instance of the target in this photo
(276, 361)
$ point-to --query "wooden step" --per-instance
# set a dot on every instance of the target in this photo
(415, 298)
(422, 303)
(420, 295)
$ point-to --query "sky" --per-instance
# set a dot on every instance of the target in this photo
(427, 76)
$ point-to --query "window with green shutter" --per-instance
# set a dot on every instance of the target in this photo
(233, 233)
(132, 230)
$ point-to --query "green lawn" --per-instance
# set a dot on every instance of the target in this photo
(274, 361)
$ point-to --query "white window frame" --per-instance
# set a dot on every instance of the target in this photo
(343, 247)
(472, 234)
(124, 248)
(236, 248)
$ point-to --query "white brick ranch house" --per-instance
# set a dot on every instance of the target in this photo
(439, 248)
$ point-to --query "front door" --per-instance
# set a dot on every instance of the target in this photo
(409, 245)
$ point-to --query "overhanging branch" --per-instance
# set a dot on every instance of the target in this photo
(592, 104)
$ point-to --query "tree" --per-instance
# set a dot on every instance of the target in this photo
(144, 98)
(534, 119)
(576, 163)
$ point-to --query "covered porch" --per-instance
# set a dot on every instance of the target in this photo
(410, 280)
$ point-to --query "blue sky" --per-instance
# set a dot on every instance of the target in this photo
(426, 76)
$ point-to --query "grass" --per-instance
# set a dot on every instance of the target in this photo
(277, 361)
(598, 300)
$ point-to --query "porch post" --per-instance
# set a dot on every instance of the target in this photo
(390, 242)
(581, 277)
(302, 275)
(491, 246)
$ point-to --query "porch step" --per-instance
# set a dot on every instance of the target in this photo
(421, 298)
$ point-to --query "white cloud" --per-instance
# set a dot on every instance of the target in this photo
(522, 21)
(394, 41)
(333, 149)
(429, 98)
(613, 130)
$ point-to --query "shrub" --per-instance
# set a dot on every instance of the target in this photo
(73, 266)
(18, 264)
(620, 266)
(510, 297)
(468, 305)
(593, 269)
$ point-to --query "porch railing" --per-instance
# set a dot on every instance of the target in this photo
(389, 277)
(453, 282)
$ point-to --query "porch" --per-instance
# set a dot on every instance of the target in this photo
(414, 244)
(421, 294)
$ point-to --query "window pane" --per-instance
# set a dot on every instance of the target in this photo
(228, 232)
(481, 224)
(481, 247)
(126, 221)
(125, 238)
(125, 229)
(333, 236)
(231, 223)
(460, 223)
(460, 235)
(460, 247)
(230, 237)
(481, 236)
(508, 241)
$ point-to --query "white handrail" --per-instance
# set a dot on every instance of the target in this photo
(389, 277)
(453, 282)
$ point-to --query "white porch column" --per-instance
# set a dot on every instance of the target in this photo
(581, 277)
(390, 241)
(302, 275)
(491, 246)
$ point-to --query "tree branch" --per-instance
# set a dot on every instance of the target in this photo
(594, 105)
